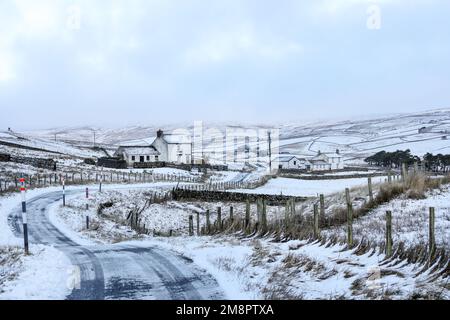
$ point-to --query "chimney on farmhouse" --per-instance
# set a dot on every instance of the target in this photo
(159, 133)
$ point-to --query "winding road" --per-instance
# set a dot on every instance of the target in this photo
(117, 271)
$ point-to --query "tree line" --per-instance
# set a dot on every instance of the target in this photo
(392, 159)
(436, 163)
(439, 162)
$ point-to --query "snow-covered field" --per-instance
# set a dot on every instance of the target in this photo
(158, 218)
(309, 188)
(112, 225)
(49, 145)
(344, 173)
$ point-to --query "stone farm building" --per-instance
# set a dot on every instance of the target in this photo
(293, 163)
(171, 148)
(142, 154)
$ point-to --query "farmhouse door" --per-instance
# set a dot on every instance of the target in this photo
(141, 159)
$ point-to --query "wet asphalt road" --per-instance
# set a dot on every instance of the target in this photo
(117, 271)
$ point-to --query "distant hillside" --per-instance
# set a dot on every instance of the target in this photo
(356, 139)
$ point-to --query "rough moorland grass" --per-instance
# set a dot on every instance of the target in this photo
(415, 187)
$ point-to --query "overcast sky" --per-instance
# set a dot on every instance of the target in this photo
(117, 63)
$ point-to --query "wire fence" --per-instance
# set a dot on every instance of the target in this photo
(10, 183)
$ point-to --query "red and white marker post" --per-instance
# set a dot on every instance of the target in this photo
(24, 214)
(87, 208)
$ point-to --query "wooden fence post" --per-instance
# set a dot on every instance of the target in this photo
(286, 211)
(258, 210)
(431, 237)
(231, 216)
(388, 233)
(219, 218)
(208, 222)
(322, 207)
(198, 224)
(349, 218)
(247, 215)
(191, 225)
(316, 221)
(404, 172)
(369, 181)
(263, 216)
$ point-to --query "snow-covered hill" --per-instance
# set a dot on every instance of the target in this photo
(356, 139)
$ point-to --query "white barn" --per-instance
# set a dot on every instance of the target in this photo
(293, 162)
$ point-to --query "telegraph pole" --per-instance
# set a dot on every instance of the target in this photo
(270, 152)
(94, 136)
(24, 214)
(101, 179)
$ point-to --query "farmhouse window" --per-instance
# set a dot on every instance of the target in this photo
(148, 158)
(133, 158)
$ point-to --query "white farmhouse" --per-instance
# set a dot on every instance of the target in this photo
(327, 161)
(336, 160)
(320, 165)
(175, 148)
(133, 154)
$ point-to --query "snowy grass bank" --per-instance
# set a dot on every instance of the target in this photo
(308, 188)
